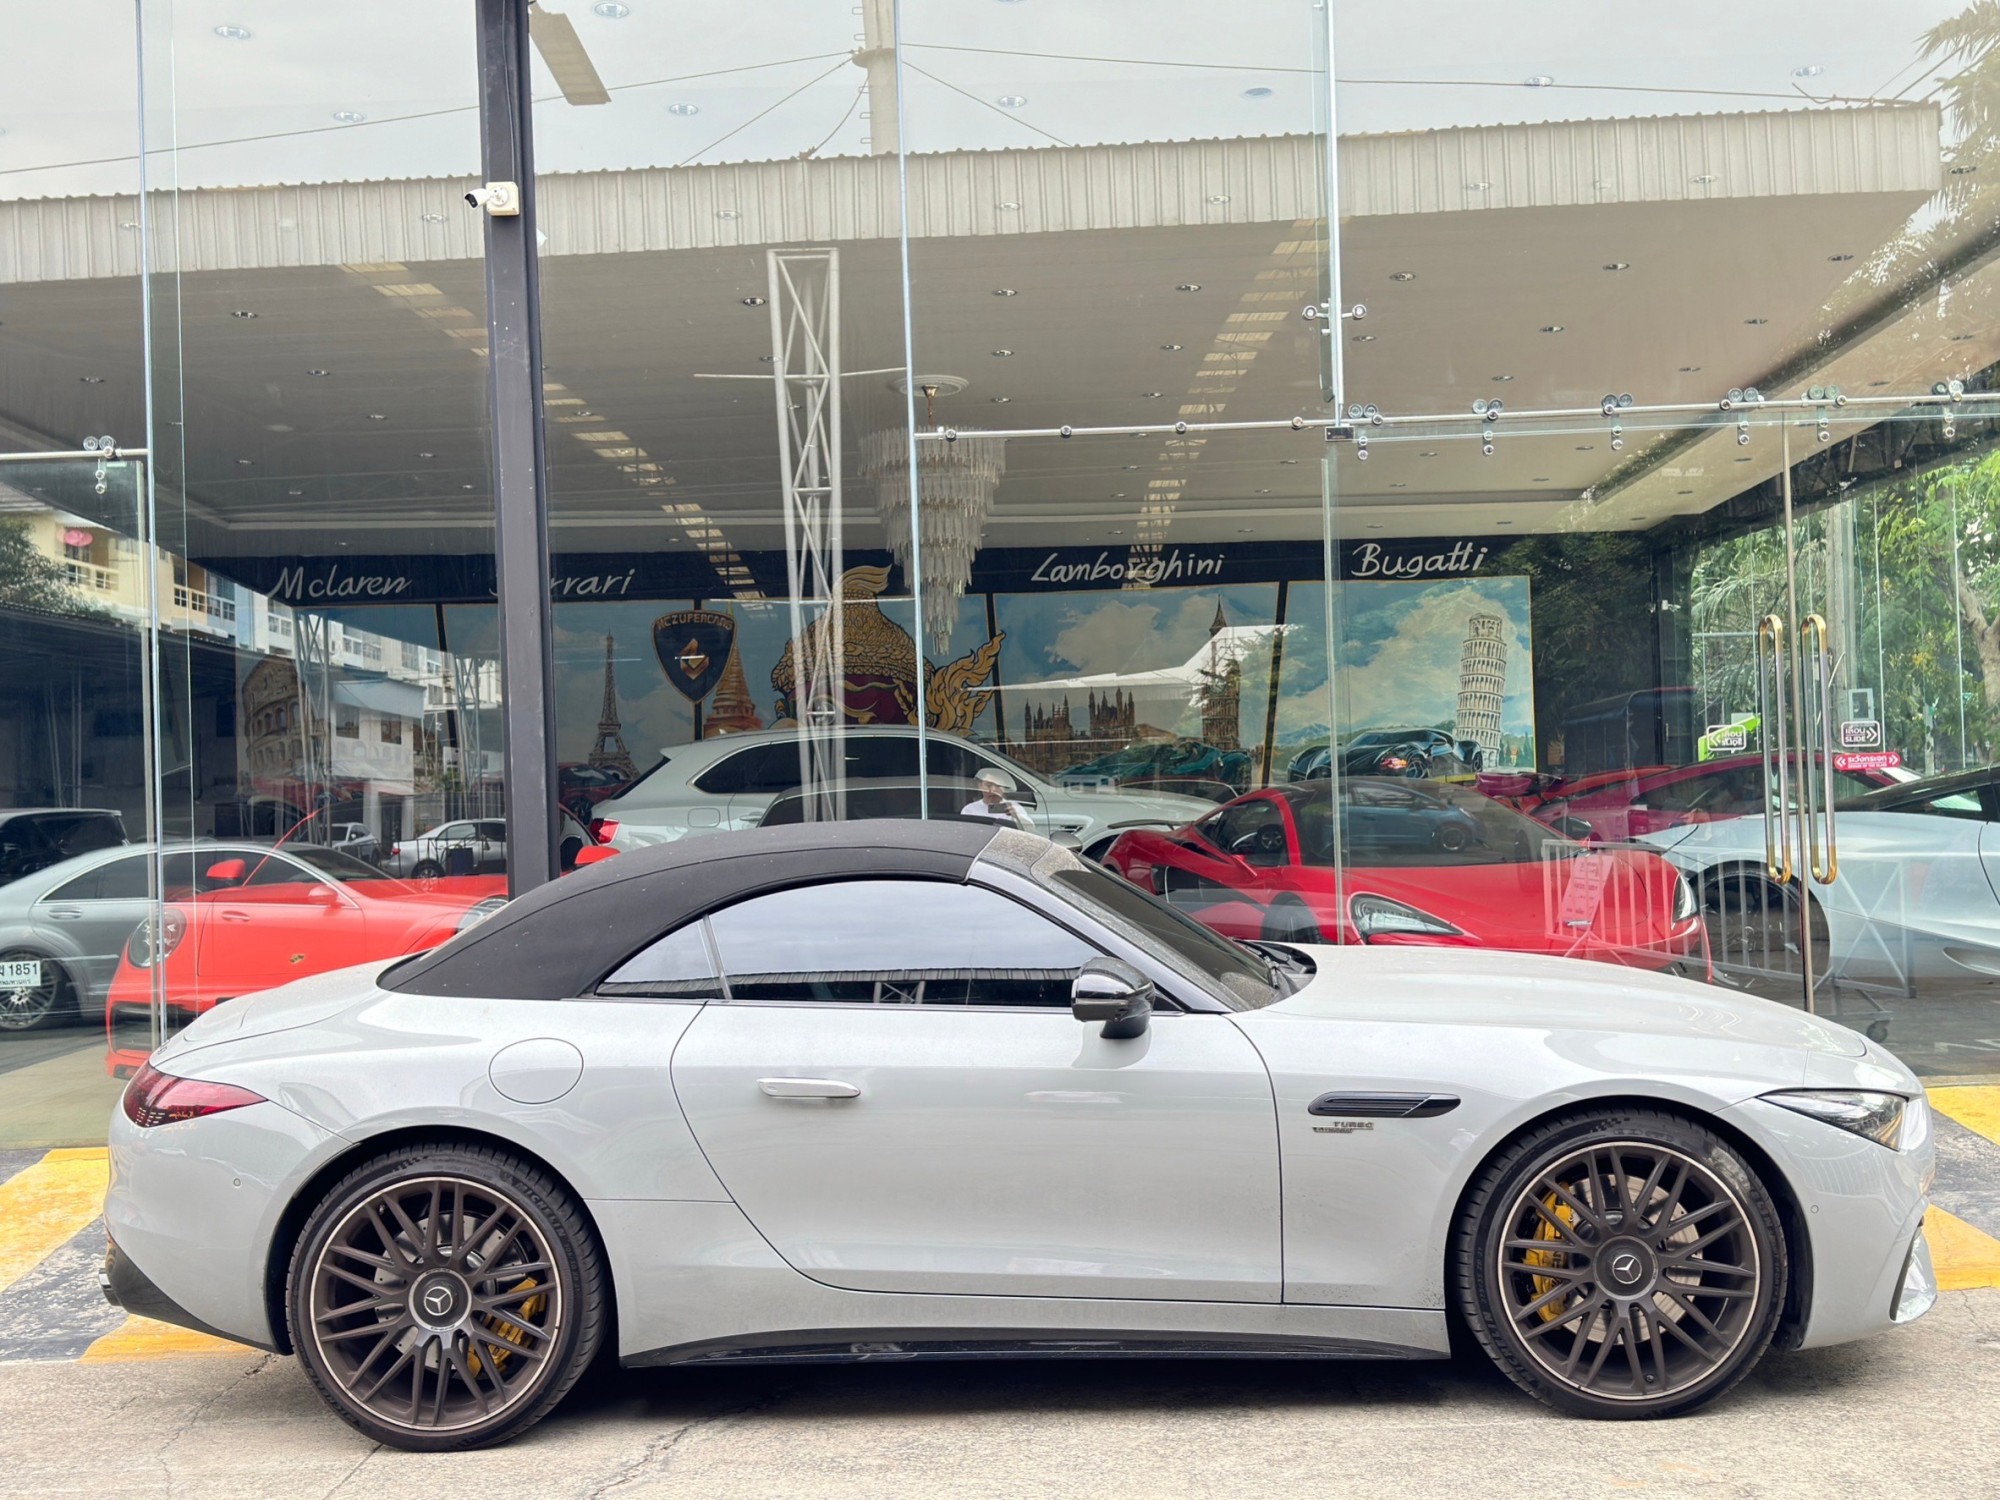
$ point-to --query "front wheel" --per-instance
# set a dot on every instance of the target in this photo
(427, 869)
(1621, 1263)
(445, 1297)
(30, 1006)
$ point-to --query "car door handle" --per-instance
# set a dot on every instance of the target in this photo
(233, 916)
(808, 1088)
(66, 913)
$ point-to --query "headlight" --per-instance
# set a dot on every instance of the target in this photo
(142, 951)
(1887, 1119)
(1684, 906)
(1378, 916)
(474, 915)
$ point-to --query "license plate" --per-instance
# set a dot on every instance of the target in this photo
(22, 972)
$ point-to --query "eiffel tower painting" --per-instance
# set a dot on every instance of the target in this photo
(608, 749)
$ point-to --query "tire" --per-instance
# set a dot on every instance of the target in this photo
(1596, 1319)
(1450, 838)
(49, 1003)
(431, 1348)
(427, 869)
(1291, 922)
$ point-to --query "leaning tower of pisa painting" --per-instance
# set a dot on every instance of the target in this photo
(1482, 684)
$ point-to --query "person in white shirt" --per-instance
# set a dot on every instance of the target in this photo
(993, 803)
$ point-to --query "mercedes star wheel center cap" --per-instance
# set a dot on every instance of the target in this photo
(439, 1300)
(1627, 1268)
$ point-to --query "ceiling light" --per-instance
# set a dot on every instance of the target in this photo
(1259, 92)
(1618, 265)
(728, 213)
(1809, 70)
(1552, 328)
(233, 33)
(1003, 353)
(1173, 348)
(426, 455)
(1364, 338)
(1263, 492)
(465, 486)
(1689, 369)
(350, 117)
(767, 359)
(128, 223)
(1538, 81)
(1002, 400)
(753, 301)
(277, 427)
(1402, 275)
(245, 462)
(1218, 198)
(294, 493)
(1011, 101)
(1003, 291)
(1428, 453)
(1188, 286)
(319, 374)
(1838, 258)
(1289, 462)
(611, 10)
(1756, 322)
(1478, 187)
(91, 379)
(682, 108)
(378, 416)
(1702, 179)
(1152, 395)
(243, 312)
(433, 218)
(1503, 377)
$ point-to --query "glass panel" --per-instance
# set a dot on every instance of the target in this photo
(319, 355)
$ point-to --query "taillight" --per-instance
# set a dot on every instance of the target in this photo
(603, 829)
(395, 851)
(156, 1098)
(142, 950)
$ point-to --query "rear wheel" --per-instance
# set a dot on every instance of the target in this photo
(1622, 1263)
(27, 1007)
(427, 869)
(445, 1297)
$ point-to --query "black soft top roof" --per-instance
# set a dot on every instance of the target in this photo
(558, 941)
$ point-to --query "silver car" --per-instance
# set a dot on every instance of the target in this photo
(901, 1089)
(727, 782)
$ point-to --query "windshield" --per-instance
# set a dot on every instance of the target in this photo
(1235, 975)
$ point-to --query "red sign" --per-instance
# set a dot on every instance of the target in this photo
(1869, 760)
(75, 538)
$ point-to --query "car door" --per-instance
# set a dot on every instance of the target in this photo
(898, 1097)
(283, 921)
(91, 916)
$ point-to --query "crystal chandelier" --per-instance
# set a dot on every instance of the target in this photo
(956, 481)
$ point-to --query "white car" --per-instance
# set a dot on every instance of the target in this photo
(471, 846)
(907, 1090)
(726, 784)
(1912, 896)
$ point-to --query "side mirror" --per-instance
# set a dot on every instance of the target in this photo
(1112, 991)
(320, 894)
(595, 854)
(226, 871)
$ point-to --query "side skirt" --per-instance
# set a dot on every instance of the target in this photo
(883, 1345)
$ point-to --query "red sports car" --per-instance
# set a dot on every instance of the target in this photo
(1424, 862)
(262, 917)
(1621, 805)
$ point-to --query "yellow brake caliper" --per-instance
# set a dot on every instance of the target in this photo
(1555, 1260)
(508, 1328)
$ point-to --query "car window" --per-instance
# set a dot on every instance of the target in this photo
(455, 831)
(495, 829)
(275, 869)
(24, 848)
(1226, 970)
(772, 767)
(896, 942)
(881, 755)
(1253, 829)
(677, 966)
(119, 880)
(1737, 792)
(82, 833)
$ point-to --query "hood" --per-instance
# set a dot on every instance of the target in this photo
(1113, 809)
(1474, 987)
(303, 1002)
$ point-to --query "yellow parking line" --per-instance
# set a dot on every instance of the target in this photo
(1964, 1256)
(42, 1206)
(1975, 1107)
(142, 1338)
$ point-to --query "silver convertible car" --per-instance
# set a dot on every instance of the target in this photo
(898, 1090)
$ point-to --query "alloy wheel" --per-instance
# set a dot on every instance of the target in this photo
(26, 1006)
(435, 1305)
(1629, 1271)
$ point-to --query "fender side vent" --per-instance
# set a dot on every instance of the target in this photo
(1383, 1106)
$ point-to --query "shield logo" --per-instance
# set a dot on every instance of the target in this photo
(693, 646)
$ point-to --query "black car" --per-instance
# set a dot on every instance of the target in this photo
(33, 838)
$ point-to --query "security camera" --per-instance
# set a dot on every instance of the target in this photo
(501, 200)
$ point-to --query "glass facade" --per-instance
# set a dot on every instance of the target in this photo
(1363, 477)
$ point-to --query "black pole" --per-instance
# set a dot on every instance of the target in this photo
(520, 494)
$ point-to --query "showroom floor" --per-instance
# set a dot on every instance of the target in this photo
(162, 1412)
